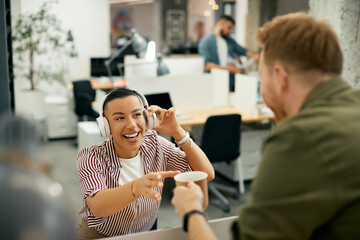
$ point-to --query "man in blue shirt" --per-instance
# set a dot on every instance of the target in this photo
(220, 50)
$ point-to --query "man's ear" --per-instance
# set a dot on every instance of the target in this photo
(281, 75)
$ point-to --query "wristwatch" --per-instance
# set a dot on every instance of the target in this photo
(187, 215)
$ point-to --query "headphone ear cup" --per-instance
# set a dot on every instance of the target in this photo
(106, 127)
(146, 117)
(103, 125)
(150, 120)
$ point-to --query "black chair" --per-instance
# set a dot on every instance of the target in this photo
(84, 95)
(221, 143)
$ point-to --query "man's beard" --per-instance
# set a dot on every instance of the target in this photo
(222, 34)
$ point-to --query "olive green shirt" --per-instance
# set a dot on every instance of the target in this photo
(308, 182)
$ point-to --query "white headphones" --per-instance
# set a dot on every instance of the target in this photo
(103, 124)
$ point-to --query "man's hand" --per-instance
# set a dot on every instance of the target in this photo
(254, 55)
(186, 199)
(144, 186)
(233, 69)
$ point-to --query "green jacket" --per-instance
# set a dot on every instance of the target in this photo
(308, 182)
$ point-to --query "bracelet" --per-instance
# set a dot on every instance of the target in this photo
(187, 216)
(131, 190)
(188, 141)
(186, 137)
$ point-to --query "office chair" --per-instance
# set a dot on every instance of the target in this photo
(221, 143)
(84, 95)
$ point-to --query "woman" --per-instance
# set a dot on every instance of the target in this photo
(122, 178)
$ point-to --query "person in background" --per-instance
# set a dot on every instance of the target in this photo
(220, 50)
(33, 204)
(199, 31)
(308, 182)
(122, 178)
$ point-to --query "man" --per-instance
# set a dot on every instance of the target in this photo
(220, 50)
(308, 182)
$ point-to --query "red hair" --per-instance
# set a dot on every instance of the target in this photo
(301, 41)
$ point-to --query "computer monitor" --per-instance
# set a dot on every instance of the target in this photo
(162, 100)
(98, 68)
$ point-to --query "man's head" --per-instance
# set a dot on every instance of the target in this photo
(225, 25)
(301, 41)
(299, 52)
(123, 110)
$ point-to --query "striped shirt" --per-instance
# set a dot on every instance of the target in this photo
(99, 168)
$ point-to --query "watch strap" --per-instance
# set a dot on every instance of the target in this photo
(187, 216)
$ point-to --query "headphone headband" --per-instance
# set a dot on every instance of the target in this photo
(101, 106)
(144, 102)
(142, 98)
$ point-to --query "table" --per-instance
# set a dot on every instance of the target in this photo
(88, 134)
(199, 116)
(221, 228)
(106, 84)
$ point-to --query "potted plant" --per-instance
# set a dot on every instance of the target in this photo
(38, 44)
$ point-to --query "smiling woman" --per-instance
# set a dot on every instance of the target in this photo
(122, 178)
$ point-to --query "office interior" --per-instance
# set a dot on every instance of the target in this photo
(94, 30)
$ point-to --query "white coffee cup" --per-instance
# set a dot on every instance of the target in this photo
(199, 178)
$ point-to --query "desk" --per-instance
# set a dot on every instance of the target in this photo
(88, 134)
(98, 84)
(107, 84)
(199, 116)
(221, 228)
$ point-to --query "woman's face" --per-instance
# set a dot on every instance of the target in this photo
(127, 125)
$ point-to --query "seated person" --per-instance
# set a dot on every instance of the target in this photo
(308, 183)
(122, 178)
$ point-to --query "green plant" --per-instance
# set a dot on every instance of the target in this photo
(36, 34)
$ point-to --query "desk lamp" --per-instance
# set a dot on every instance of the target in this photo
(139, 44)
(162, 69)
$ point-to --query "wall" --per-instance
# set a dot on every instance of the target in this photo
(261, 11)
(196, 9)
(141, 16)
(241, 21)
(287, 6)
(90, 26)
(89, 23)
(344, 16)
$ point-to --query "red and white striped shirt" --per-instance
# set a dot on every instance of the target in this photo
(99, 168)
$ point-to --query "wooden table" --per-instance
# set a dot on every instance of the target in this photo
(107, 84)
(199, 116)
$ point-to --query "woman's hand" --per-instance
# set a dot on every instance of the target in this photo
(168, 124)
(144, 186)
